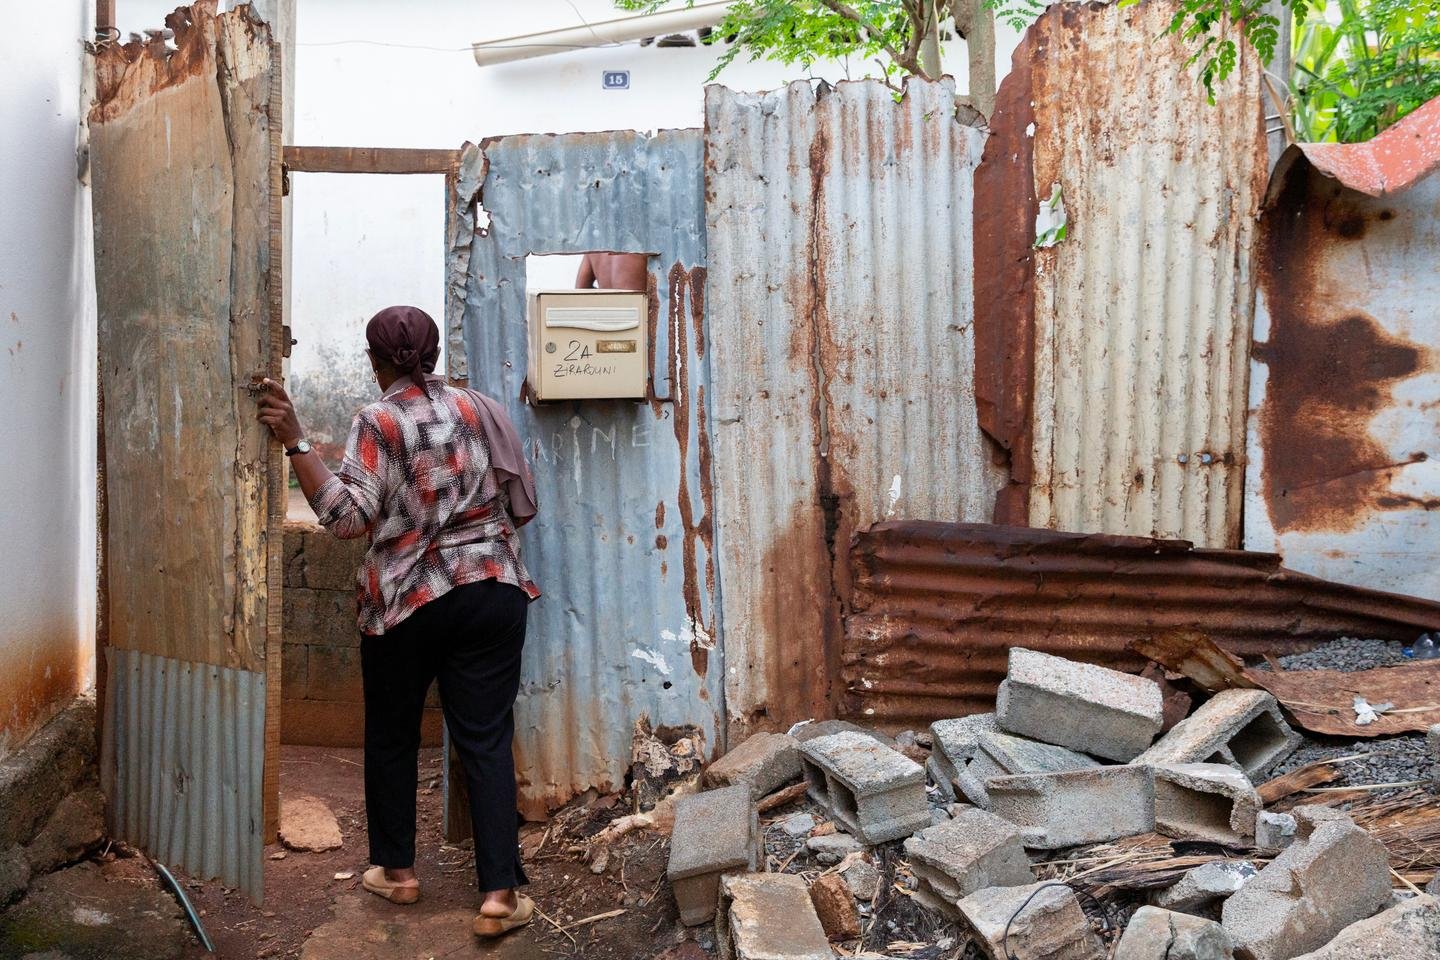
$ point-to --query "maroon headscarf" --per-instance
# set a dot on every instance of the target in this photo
(408, 339)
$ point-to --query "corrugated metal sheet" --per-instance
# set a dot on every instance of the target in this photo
(1391, 163)
(1343, 478)
(839, 226)
(622, 545)
(181, 763)
(937, 607)
(1142, 315)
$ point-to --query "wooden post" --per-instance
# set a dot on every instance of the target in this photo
(104, 18)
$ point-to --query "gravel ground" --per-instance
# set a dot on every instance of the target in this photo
(1390, 760)
(1348, 655)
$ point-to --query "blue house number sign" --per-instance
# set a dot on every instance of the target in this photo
(617, 80)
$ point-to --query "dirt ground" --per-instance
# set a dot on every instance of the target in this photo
(309, 913)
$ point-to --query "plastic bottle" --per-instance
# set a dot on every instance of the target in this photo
(1425, 648)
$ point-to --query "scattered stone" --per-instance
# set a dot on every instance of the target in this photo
(1410, 930)
(1273, 831)
(833, 848)
(1432, 740)
(1050, 927)
(1204, 885)
(1372, 761)
(98, 912)
(1205, 801)
(944, 785)
(308, 824)
(1055, 810)
(600, 862)
(872, 791)
(835, 906)
(715, 832)
(1155, 934)
(14, 873)
(974, 851)
(863, 880)
(1333, 875)
(798, 825)
(76, 826)
(765, 761)
(768, 916)
(1078, 705)
(345, 875)
(278, 855)
(1001, 754)
(1347, 655)
(1243, 728)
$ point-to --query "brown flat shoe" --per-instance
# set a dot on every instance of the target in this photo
(523, 913)
(401, 893)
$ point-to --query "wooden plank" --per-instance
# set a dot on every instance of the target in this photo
(369, 160)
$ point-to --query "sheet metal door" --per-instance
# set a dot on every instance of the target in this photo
(185, 161)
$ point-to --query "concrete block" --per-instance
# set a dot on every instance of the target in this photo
(1205, 885)
(1410, 930)
(45, 769)
(1056, 810)
(328, 563)
(765, 761)
(833, 848)
(863, 880)
(814, 729)
(875, 793)
(14, 874)
(1002, 754)
(953, 742)
(1051, 925)
(1100, 711)
(768, 916)
(1205, 801)
(1155, 934)
(835, 906)
(333, 673)
(1333, 875)
(1273, 831)
(1243, 728)
(969, 853)
(716, 832)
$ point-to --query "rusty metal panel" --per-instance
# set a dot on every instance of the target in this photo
(182, 761)
(1142, 314)
(937, 606)
(1392, 162)
(841, 327)
(185, 170)
(1344, 479)
(622, 547)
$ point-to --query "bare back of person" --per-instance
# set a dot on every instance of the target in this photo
(613, 271)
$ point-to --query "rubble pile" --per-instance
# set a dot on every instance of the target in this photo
(1067, 825)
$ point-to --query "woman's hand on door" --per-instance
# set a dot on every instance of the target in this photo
(278, 413)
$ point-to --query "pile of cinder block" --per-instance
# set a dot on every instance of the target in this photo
(1073, 755)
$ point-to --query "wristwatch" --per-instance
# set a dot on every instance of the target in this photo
(301, 446)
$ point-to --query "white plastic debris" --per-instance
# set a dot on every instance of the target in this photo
(1367, 713)
(1051, 224)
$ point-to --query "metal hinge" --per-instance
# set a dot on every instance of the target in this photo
(288, 340)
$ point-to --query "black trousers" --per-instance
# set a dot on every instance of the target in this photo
(470, 639)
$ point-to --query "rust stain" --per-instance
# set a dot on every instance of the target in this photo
(1332, 370)
(652, 325)
(937, 606)
(660, 515)
(1005, 277)
(128, 74)
(42, 675)
(661, 541)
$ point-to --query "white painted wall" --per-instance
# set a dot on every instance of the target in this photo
(47, 372)
(381, 74)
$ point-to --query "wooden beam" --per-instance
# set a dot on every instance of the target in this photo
(369, 160)
(104, 17)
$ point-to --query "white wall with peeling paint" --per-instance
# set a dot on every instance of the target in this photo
(47, 372)
(369, 75)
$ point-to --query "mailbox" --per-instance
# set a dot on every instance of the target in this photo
(588, 344)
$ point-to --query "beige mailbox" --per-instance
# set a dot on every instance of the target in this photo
(588, 344)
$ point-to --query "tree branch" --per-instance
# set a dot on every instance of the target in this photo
(906, 61)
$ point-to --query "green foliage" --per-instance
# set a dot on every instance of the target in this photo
(1358, 73)
(805, 32)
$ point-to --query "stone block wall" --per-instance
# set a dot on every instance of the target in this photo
(323, 698)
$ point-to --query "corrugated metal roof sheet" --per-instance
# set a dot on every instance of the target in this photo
(182, 761)
(622, 545)
(1391, 163)
(1142, 314)
(841, 330)
(1344, 472)
(937, 607)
